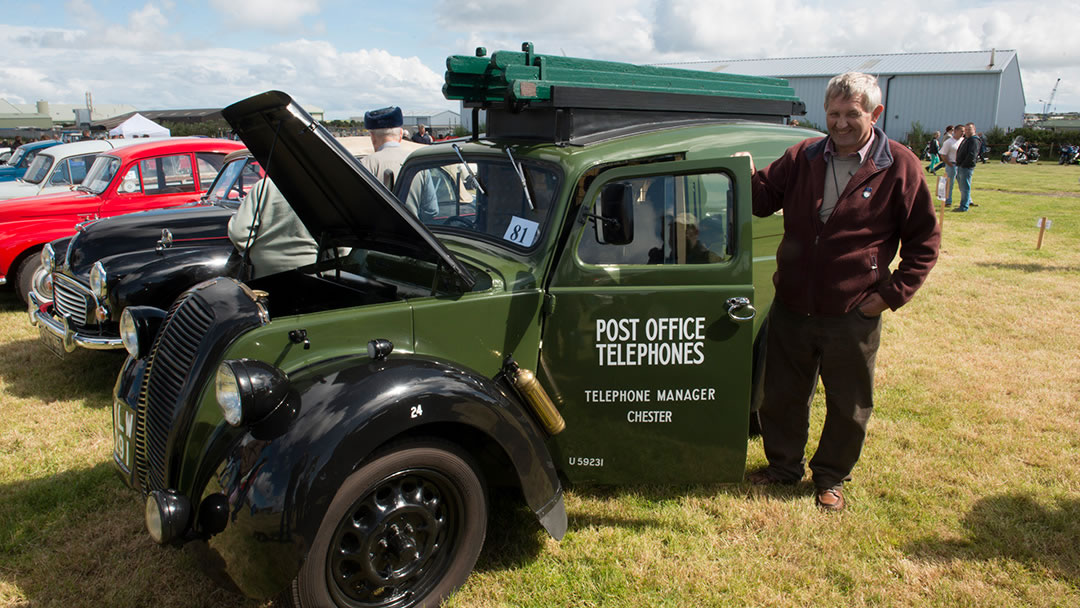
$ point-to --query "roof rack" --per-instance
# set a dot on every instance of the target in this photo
(572, 100)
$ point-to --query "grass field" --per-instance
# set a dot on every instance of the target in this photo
(967, 494)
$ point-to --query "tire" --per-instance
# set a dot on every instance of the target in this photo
(24, 276)
(402, 531)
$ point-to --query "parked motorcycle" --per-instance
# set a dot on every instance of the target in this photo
(1070, 155)
(1021, 152)
(984, 150)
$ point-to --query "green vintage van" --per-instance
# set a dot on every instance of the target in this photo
(583, 308)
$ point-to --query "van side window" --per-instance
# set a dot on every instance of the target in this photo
(678, 219)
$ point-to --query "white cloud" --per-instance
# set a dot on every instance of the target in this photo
(273, 15)
(81, 11)
(601, 29)
(314, 72)
(146, 29)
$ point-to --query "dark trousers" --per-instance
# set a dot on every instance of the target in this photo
(842, 349)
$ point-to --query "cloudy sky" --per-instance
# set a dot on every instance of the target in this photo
(346, 57)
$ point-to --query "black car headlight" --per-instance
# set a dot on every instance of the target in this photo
(138, 327)
(99, 281)
(167, 515)
(48, 258)
(249, 390)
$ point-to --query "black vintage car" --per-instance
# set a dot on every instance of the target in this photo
(140, 258)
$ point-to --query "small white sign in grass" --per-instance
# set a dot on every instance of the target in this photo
(1043, 225)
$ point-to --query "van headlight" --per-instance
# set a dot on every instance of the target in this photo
(99, 281)
(249, 390)
(138, 327)
(228, 395)
(167, 515)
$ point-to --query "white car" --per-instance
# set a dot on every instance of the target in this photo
(59, 168)
(5, 153)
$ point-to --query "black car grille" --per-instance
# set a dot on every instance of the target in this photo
(174, 356)
(71, 299)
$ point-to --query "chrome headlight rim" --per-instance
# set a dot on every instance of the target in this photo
(42, 284)
(129, 333)
(99, 280)
(48, 257)
(138, 328)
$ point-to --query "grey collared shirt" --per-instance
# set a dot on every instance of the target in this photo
(838, 172)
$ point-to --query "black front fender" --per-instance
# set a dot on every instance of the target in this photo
(149, 278)
(279, 488)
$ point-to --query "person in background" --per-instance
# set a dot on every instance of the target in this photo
(935, 147)
(966, 157)
(948, 154)
(421, 136)
(269, 234)
(385, 163)
(850, 201)
(948, 136)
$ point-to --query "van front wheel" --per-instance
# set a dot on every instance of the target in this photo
(404, 530)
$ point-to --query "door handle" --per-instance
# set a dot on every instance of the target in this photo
(738, 304)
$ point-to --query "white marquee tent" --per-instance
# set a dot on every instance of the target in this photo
(138, 126)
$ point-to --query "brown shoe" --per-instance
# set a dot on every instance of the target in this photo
(830, 499)
(766, 477)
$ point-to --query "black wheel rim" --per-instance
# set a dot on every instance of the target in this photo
(396, 542)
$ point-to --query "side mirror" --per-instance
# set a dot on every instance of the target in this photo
(614, 221)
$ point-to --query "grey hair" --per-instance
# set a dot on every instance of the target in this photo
(387, 132)
(855, 85)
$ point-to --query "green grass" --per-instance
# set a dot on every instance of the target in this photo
(967, 494)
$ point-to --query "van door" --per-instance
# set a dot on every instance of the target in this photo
(647, 351)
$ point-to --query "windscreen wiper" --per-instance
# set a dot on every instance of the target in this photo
(476, 180)
(521, 176)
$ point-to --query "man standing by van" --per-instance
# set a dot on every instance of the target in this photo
(850, 201)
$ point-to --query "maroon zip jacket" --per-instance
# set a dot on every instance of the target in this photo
(829, 268)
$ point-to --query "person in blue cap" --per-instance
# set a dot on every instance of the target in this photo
(384, 125)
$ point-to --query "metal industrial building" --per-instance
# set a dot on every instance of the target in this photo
(934, 89)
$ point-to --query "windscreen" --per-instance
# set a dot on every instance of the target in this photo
(38, 169)
(16, 156)
(483, 197)
(234, 181)
(101, 174)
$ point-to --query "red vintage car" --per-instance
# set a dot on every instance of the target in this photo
(152, 175)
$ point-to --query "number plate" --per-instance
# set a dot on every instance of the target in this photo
(123, 431)
(52, 342)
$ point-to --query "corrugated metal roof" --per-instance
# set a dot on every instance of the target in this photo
(959, 62)
(181, 115)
